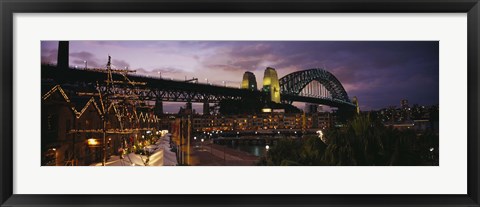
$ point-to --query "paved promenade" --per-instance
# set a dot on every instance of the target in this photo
(216, 155)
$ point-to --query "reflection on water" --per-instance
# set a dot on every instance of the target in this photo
(256, 149)
(252, 149)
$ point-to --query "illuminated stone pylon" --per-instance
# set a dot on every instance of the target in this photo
(355, 101)
(271, 84)
(249, 81)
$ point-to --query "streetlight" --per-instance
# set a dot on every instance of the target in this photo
(224, 83)
(267, 147)
(160, 74)
(206, 80)
(202, 143)
(85, 64)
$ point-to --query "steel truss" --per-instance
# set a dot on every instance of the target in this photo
(293, 83)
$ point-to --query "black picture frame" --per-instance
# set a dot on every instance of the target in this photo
(10, 7)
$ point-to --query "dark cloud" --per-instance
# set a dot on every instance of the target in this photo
(82, 55)
(226, 67)
(79, 58)
(49, 52)
(162, 70)
(49, 56)
(120, 63)
(168, 70)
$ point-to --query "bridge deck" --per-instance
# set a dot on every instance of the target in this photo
(172, 90)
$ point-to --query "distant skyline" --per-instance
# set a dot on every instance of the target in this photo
(379, 73)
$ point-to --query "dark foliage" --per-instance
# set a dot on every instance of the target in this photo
(361, 142)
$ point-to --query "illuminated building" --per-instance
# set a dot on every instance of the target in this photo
(404, 103)
(271, 84)
(72, 127)
(249, 81)
(263, 121)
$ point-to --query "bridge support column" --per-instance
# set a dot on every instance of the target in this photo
(158, 107)
(206, 107)
(311, 108)
(189, 108)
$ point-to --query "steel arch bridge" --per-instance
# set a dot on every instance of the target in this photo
(292, 85)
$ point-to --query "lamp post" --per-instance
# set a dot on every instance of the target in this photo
(202, 143)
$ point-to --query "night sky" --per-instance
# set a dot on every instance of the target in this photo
(379, 73)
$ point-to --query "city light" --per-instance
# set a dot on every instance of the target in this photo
(320, 134)
(93, 142)
(266, 110)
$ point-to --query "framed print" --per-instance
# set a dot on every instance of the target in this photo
(186, 103)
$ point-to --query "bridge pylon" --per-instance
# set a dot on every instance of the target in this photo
(158, 107)
(206, 107)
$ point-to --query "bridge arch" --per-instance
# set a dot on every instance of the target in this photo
(293, 83)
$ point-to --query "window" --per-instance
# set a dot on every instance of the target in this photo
(49, 122)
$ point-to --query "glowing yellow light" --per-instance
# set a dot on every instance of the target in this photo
(266, 110)
(92, 141)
